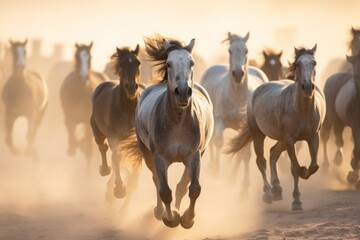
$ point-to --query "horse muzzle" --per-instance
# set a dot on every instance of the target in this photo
(183, 95)
(237, 76)
(308, 89)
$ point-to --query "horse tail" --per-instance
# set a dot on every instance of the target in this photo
(241, 140)
(131, 150)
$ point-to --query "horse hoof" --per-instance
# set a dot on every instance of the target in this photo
(338, 158)
(267, 198)
(276, 193)
(185, 222)
(352, 177)
(357, 185)
(158, 213)
(175, 222)
(297, 206)
(119, 192)
(104, 170)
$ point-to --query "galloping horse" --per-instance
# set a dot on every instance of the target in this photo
(287, 111)
(113, 111)
(272, 65)
(24, 94)
(173, 123)
(229, 89)
(75, 96)
(344, 111)
(333, 86)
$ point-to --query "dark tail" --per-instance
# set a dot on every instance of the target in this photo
(241, 140)
(131, 151)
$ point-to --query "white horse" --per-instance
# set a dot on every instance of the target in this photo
(229, 89)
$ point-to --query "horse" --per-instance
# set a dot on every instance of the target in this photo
(75, 97)
(272, 65)
(229, 89)
(113, 111)
(286, 111)
(25, 94)
(333, 86)
(343, 92)
(173, 123)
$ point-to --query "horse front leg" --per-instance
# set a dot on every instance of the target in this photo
(72, 141)
(170, 218)
(313, 148)
(119, 189)
(9, 123)
(187, 219)
(181, 187)
(104, 168)
(216, 145)
(30, 135)
(338, 130)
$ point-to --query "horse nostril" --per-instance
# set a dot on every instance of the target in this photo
(189, 92)
(176, 91)
(312, 86)
(302, 86)
(233, 72)
(126, 85)
(136, 86)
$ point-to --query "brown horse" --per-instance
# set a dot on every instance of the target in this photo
(343, 91)
(173, 123)
(286, 111)
(24, 94)
(75, 97)
(113, 111)
(272, 65)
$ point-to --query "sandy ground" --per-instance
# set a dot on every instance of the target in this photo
(56, 198)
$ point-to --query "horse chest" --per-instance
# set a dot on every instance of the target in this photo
(179, 144)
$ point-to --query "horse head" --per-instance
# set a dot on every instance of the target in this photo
(83, 59)
(127, 66)
(304, 70)
(355, 62)
(19, 53)
(179, 66)
(272, 65)
(238, 56)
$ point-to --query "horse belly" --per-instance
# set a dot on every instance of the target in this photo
(343, 100)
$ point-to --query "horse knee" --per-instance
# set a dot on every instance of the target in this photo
(103, 147)
(194, 191)
(261, 163)
(166, 195)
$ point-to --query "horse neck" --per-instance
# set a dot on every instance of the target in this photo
(172, 112)
(18, 72)
(303, 103)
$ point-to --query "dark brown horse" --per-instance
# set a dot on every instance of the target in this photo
(113, 112)
(343, 101)
(24, 94)
(272, 65)
(286, 111)
(75, 96)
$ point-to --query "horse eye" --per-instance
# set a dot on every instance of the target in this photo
(229, 51)
(168, 65)
(192, 63)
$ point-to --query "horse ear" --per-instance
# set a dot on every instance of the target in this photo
(296, 50)
(190, 46)
(137, 50)
(91, 44)
(246, 38)
(280, 53)
(353, 30)
(314, 48)
(25, 42)
(350, 59)
(228, 38)
(77, 45)
(167, 44)
(11, 42)
(264, 54)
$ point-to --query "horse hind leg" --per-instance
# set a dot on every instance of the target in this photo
(181, 187)
(353, 175)
(187, 219)
(275, 153)
(119, 189)
(104, 168)
(338, 130)
(325, 136)
(86, 146)
(72, 141)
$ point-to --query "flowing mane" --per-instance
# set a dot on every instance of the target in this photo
(292, 66)
(158, 53)
(122, 59)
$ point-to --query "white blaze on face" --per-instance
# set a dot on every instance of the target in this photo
(20, 51)
(84, 63)
(272, 62)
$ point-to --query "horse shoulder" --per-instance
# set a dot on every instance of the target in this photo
(259, 74)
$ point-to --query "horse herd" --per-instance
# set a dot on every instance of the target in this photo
(174, 118)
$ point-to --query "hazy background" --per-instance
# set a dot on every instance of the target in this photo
(55, 198)
(280, 24)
